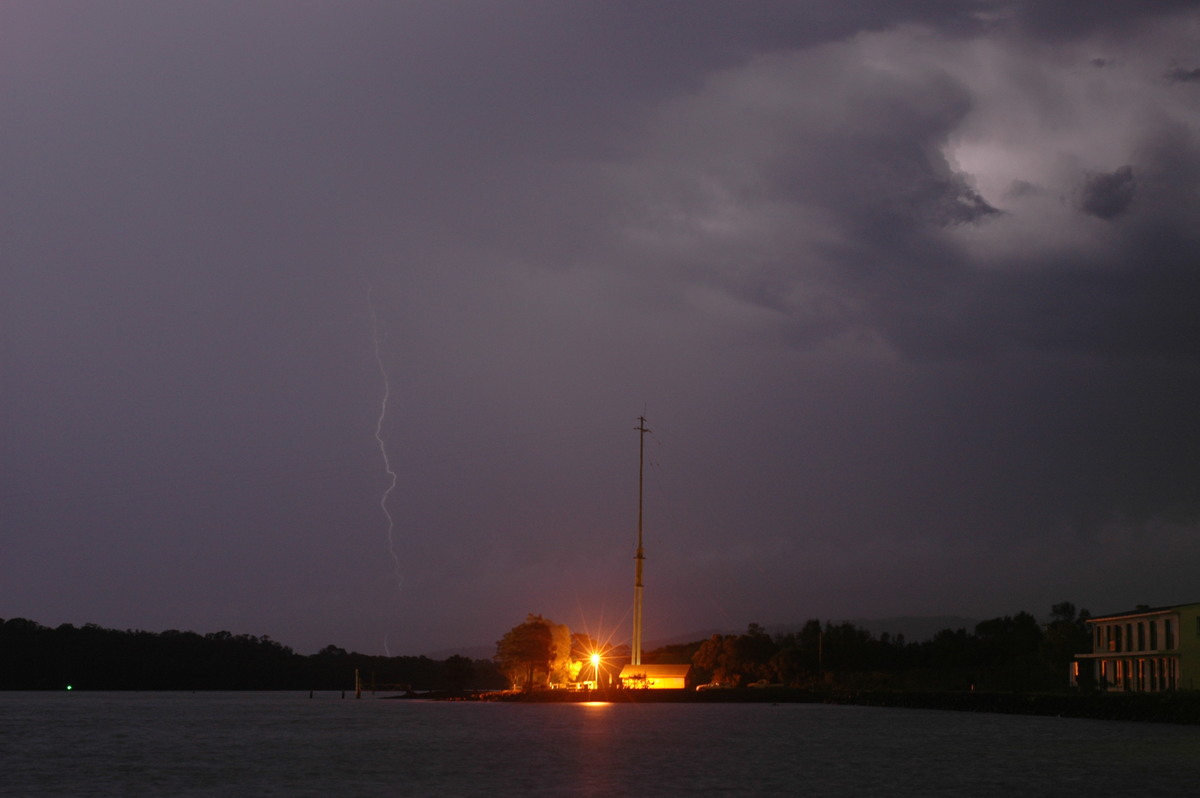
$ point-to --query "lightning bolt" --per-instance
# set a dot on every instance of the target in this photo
(387, 464)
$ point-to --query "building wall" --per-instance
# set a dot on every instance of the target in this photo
(1189, 646)
(1148, 651)
(655, 677)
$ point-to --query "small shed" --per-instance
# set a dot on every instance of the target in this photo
(655, 677)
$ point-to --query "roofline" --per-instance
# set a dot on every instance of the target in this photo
(1142, 612)
(668, 666)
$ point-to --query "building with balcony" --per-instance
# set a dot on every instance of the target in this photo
(1147, 650)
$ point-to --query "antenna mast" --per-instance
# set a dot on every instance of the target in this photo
(640, 557)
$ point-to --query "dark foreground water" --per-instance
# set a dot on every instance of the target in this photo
(170, 744)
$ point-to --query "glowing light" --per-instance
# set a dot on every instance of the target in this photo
(70, 687)
(595, 647)
(383, 405)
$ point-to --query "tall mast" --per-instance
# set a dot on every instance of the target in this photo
(640, 557)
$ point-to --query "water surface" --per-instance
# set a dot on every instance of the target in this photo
(180, 744)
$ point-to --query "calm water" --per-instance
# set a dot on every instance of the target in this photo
(170, 744)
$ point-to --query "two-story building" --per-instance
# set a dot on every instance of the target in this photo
(1147, 650)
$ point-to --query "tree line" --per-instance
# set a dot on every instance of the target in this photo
(36, 657)
(1008, 653)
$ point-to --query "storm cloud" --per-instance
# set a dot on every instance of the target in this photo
(906, 291)
(1108, 195)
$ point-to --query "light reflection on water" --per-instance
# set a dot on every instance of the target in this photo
(284, 744)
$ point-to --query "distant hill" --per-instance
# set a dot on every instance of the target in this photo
(470, 652)
(914, 628)
(690, 637)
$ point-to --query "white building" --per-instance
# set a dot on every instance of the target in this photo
(1147, 650)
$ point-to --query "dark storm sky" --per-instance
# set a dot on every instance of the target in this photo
(907, 291)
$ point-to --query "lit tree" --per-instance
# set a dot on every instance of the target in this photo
(527, 648)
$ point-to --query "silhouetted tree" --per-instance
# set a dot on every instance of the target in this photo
(1007, 653)
(713, 658)
(1063, 636)
(459, 671)
(752, 654)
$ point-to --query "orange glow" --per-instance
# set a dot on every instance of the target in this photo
(593, 647)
